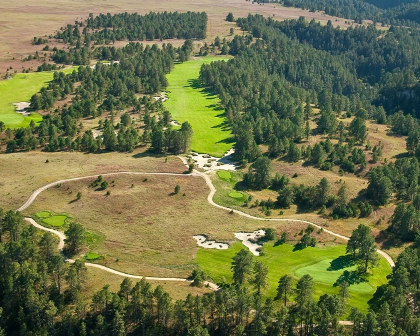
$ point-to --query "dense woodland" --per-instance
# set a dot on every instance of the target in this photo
(395, 12)
(282, 69)
(40, 294)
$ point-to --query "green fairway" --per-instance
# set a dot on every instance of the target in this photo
(20, 89)
(189, 102)
(57, 221)
(283, 260)
(321, 274)
(43, 214)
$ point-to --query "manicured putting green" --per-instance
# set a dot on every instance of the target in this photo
(92, 256)
(43, 214)
(236, 195)
(20, 89)
(58, 220)
(320, 273)
(224, 175)
(190, 102)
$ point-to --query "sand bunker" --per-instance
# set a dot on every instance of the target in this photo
(22, 108)
(210, 163)
(203, 242)
(174, 123)
(106, 63)
(245, 237)
(162, 97)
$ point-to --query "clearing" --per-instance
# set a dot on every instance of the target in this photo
(137, 228)
(20, 89)
(189, 102)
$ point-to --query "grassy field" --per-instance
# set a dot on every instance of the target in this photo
(20, 89)
(283, 260)
(145, 228)
(189, 102)
(23, 173)
(22, 20)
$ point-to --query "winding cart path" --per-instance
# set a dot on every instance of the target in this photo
(209, 183)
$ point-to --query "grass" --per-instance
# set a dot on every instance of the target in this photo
(56, 221)
(224, 175)
(321, 273)
(189, 102)
(237, 195)
(92, 256)
(145, 229)
(43, 214)
(283, 260)
(20, 89)
(23, 173)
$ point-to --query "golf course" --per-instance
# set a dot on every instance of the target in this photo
(324, 263)
(190, 102)
(20, 89)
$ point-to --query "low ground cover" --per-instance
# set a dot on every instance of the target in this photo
(56, 221)
(190, 102)
(43, 214)
(141, 227)
(20, 89)
(283, 259)
(92, 256)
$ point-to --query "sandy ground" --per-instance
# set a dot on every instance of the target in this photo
(203, 242)
(22, 108)
(211, 163)
(246, 238)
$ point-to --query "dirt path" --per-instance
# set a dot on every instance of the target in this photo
(213, 286)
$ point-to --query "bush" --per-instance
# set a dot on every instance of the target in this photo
(270, 234)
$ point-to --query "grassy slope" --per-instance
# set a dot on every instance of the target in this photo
(283, 260)
(20, 89)
(189, 103)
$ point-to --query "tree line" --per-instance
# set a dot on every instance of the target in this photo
(392, 12)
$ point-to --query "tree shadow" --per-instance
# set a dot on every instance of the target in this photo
(388, 240)
(401, 155)
(351, 277)
(299, 247)
(374, 302)
(340, 263)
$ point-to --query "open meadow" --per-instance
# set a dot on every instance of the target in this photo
(138, 228)
(22, 20)
(189, 102)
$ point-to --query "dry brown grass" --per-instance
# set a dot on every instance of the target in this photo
(147, 229)
(99, 278)
(22, 20)
(23, 173)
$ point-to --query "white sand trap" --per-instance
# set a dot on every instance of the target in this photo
(163, 97)
(22, 108)
(245, 238)
(175, 123)
(106, 63)
(203, 242)
(211, 163)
